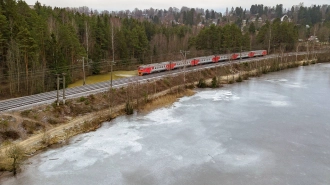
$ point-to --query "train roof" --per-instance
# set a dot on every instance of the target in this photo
(168, 62)
(156, 64)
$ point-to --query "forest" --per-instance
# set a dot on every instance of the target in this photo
(37, 42)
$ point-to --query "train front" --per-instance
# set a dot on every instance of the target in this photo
(140, 71)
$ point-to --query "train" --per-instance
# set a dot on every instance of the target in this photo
(165, 66)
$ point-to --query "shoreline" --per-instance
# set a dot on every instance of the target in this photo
(61, 134)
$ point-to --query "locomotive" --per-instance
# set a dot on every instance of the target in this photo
(164, 66)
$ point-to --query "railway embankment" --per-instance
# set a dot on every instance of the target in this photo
(25, 133)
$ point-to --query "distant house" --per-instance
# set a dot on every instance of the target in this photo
(200, 25)
(285, 18)
(174, 22)
(145, 16)
(313, 39)
(243, 23)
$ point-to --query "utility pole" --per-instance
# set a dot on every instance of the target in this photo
(184, 54)
(58, 89)
(240, 60)
(113, 53)
(111, 67)
(270, 36)
(87, 42)
(297, 52)
(84, 82)
(63, 74)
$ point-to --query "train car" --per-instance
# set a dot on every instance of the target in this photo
(260, 53)
(164, 66)
(245, 54)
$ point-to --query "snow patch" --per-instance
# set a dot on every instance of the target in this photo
(279, 103)
(221, 95)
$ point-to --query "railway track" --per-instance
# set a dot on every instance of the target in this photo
(50, 97)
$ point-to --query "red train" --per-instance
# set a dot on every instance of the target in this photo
(158, 67)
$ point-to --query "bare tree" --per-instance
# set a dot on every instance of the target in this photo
(16, 153)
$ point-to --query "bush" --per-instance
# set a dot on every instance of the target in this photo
(215, 83)
(201, 83)
(191, 86)
(86, 126)
(245, 77)
(167, 82)
(145, 95)
(25, 113)
(30, 127)
(16, 153)
(239, 79)
(82, 99)
(9, 134)
(52, 121)
(129, 108)
(91, 97)
(4, 125)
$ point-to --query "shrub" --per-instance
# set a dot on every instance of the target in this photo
(86, 125)
(10, 134)
(215, 83)
(245, 64)
(82, 99)
(239, 79)
(30, 127)
(25, 113)
(129, 108)
(45, 139)
(201, 83)
(190, 86)
(167, 82)
(4, 125)
(67, 133)
(91, 97)
(16, 153)
(52, 121)
(145, 95)
(245, 77)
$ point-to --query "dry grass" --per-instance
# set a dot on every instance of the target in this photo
(166, 100)
(104, 77)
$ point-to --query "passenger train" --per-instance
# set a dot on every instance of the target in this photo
(164, 66)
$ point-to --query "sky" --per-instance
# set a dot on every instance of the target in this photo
(217, 5)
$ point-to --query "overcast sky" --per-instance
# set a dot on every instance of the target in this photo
(218, 5)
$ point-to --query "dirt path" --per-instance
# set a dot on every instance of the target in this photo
(20, 119)
(53, 135)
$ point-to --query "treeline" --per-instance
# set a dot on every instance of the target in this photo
(37, 43)
(229, 38)
(221, 39)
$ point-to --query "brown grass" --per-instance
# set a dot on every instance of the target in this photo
(166, 100)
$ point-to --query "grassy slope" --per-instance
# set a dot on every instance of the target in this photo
(104, 77)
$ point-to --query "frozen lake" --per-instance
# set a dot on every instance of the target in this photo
(274, 129)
